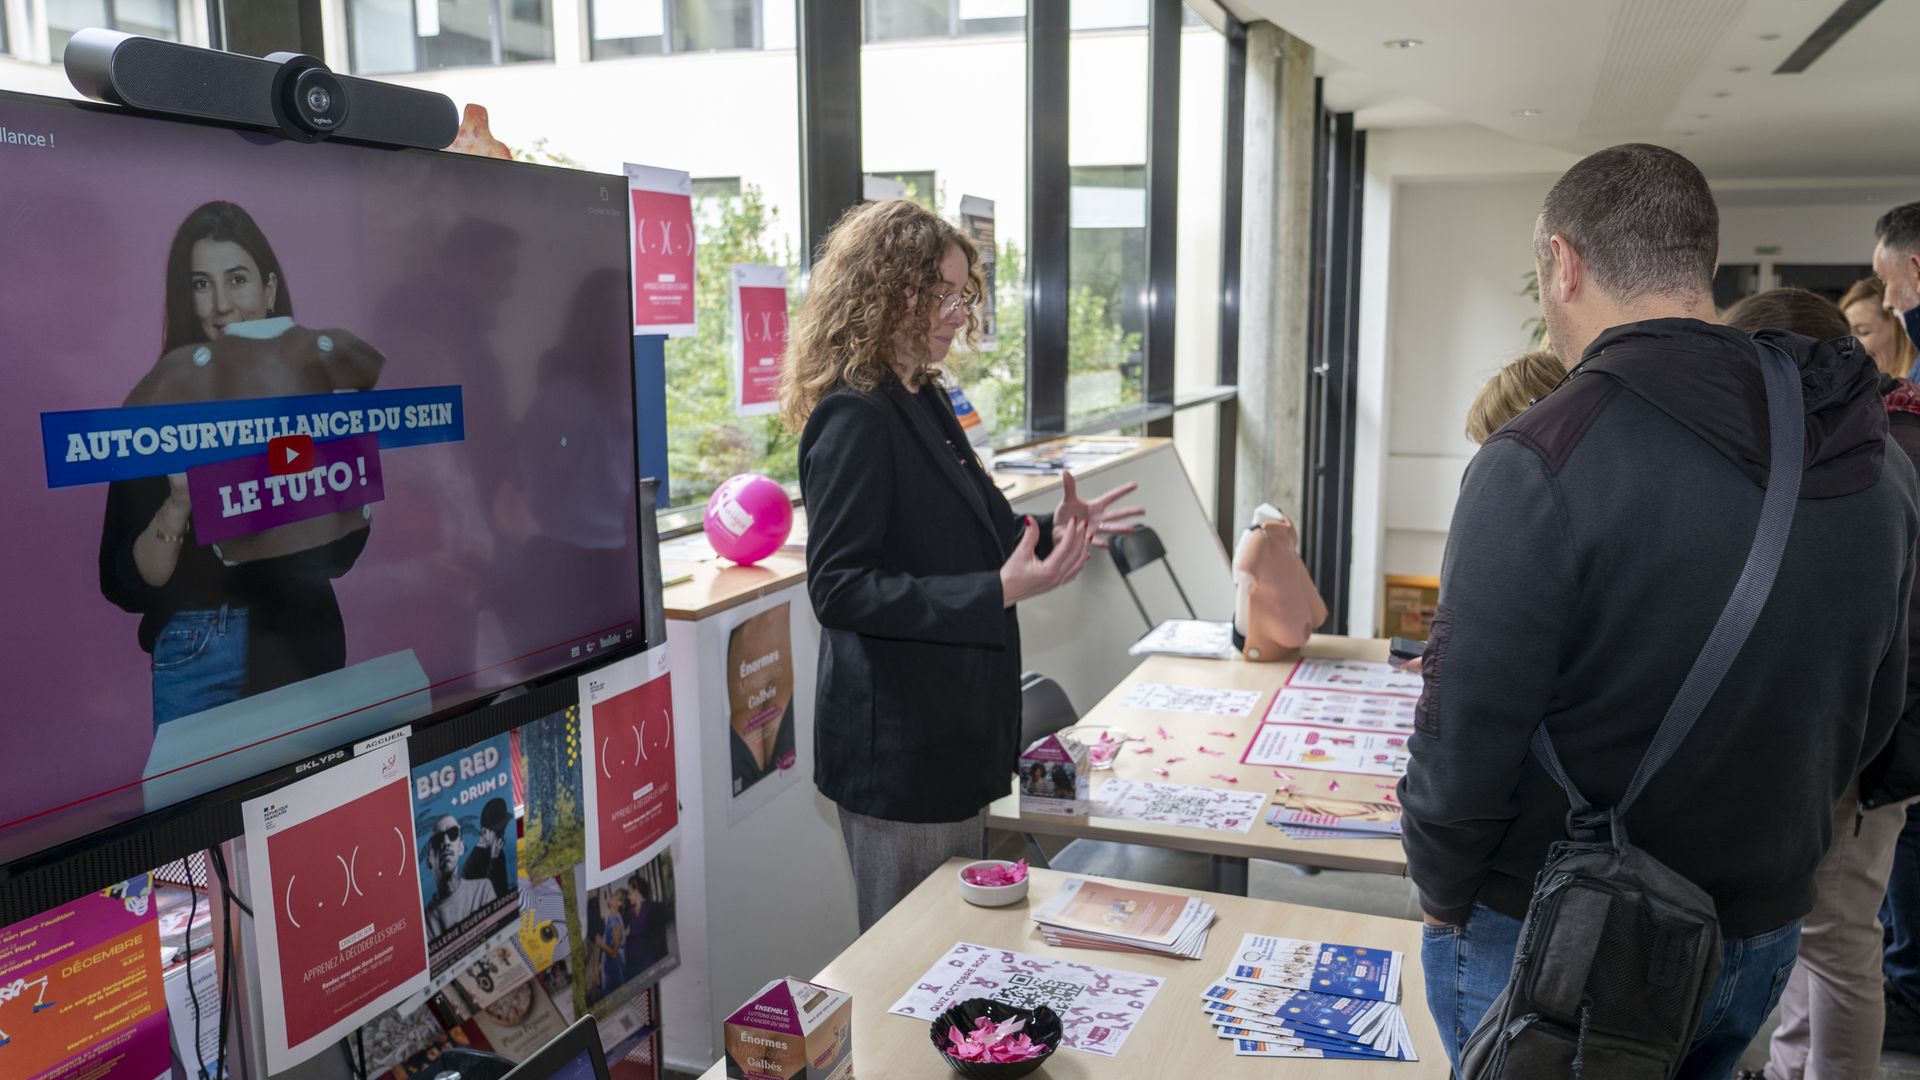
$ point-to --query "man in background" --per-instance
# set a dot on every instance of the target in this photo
(1896, 261)
(1596, 540)
(454, 897)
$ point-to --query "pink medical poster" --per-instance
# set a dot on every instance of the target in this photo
(663, 242)
(759, 337)
(339, 925)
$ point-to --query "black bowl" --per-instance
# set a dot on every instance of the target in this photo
(1043, 1027)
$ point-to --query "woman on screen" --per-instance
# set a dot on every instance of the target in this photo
(219, 631)
(914, 558)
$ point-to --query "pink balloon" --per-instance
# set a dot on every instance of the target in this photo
(748, 518)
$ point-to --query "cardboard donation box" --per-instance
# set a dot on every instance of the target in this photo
(1054, 777)
(792, 1030)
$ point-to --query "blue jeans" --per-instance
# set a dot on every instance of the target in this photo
(1900, 913)
(1467, 967)
(199, 661)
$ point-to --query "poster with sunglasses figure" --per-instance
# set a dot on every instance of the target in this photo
(976, 220)
(759, 336)
(465, 837)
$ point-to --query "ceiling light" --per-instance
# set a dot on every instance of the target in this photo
(1769, 37)
(1741, 70)
(1686, 134)
(1526, 112)
(1702, 116)
(1403, 43)
(1722, 93)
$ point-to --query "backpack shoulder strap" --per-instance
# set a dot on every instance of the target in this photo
(1787, 442)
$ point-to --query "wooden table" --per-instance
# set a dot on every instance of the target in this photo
(1173, 1038)
(1230, 849)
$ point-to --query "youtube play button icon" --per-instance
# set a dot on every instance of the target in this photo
(290, 454)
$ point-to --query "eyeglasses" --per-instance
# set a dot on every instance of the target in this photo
(946, 303)
(448, 835)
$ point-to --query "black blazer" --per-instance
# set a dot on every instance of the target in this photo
(917, 713)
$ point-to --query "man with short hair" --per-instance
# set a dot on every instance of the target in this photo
(1596, 540)
(1896, 261)
(454, 897)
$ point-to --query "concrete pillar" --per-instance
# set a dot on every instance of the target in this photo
(1276, 261)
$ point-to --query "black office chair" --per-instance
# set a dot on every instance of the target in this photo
(1135, 550)
(1046, 709)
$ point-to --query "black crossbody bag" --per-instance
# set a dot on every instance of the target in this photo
(1619, 952)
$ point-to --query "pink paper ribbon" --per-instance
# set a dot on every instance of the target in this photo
(1228, 779)
(1215, 753)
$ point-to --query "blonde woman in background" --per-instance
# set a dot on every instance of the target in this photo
(1523, 381)
(1877, 329)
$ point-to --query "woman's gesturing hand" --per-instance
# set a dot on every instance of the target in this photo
(1101, 518)
(1025, 575)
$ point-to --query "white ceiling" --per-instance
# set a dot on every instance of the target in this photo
(1608, 71)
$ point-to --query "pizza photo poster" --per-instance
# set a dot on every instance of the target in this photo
(339, 925)
(626, 760)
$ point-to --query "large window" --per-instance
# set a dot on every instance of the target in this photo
(1197, 299)
(392, 37)
(906, 20)
(1107, 268)
(653, 27)
(65, 18)
(957, 138)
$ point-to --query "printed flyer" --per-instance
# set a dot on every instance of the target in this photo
(338, 921)
(1098, 1006)
(627, 937)
(1340, 709)
(1354, 676)
(663, 243)
(759, 337)
(1199, 700)
(552, 837)
(80, 990)
(463, 826)
(626, 754)
(760, 710)
(1185, 805)
(1285, 745)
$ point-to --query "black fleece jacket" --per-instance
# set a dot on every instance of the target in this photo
(1595, 542)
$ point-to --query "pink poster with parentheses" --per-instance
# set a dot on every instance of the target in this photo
(759, 337)
(338, 921)
(626, 758)
(663, 243)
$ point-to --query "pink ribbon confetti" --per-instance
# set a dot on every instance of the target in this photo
(1160, 772)
(1281, 775)
(1173, 760)
(1286, 787)
(1143, 749)
(1389, 787)
(1224, 734)
(1162, 732)
(1389, 797)
(1228, 779)
(1333, 785)
(1215, 753)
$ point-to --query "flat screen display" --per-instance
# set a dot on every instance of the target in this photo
(304, 442)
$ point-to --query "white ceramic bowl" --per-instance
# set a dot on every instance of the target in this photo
(991, 895)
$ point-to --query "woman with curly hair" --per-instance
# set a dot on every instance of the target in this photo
(914, 558)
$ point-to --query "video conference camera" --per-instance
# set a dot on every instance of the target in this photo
(291, 93)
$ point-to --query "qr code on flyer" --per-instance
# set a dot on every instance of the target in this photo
(1028, 992)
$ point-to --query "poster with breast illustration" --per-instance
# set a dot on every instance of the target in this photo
(1287, 745)
(338, 918)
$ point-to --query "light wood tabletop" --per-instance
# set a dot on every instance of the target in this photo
(1190, 732)
(1173, 1038)
(717, 584)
